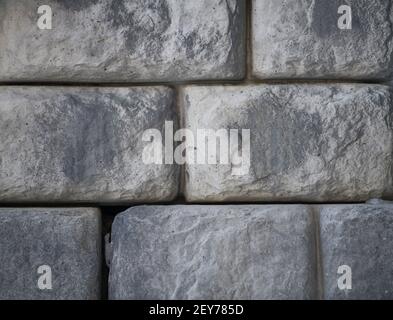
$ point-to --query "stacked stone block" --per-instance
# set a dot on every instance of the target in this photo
(124, 41)
(308, 142)
(359, 236)
(89, 88)
(83, 144)
(301, 39)
(50, 253)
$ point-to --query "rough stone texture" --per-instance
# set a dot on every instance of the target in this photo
(82, 144)
(301, 39)
(308, 142)
(360, 236)
(213, 252)
(120, 40)
(66, 239)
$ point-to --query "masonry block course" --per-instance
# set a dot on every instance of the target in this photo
(319, 143)
(361, 237)
(69, 144)
(213, 252)
(119, 40)
(252, 252)
(301, 39)
(67, 240)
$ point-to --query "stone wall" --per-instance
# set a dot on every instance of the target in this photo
(248, 145)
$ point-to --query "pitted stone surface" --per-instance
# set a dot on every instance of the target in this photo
(82, 144)
(301, 39)
(119, 40)
(213, 252)
(360, 237)
(68, 240)
(308, 142)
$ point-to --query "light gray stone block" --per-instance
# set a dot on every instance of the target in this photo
(314, 143)
(120, 40)
(83, 144)
(360, 237)
(213, 252)
(67, 240)
(301, 39)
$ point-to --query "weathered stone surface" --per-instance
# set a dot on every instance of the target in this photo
(308, 142)
(301, 39)
(82, 144)
(360, 237)
(67, 240)
(213, 252)
(120, 40)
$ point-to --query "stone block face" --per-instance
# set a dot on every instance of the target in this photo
(82, 144)
(315, 143)
(360, 237)
(120, 40)
(67, 240)
(301, 39)
(213, 252)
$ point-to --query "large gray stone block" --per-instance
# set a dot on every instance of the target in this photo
(67, 240)
(361, 238)
(120, 40)
(301, 39)
(82, 144)
(213, 252)
(307, 142)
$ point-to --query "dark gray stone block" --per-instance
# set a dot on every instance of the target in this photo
(68, 240)
(360, 237)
